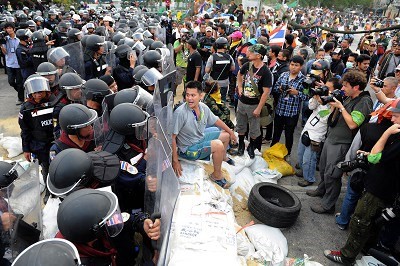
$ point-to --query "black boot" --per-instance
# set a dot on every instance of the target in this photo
(258, 143)
(250, 148)
(241, 145)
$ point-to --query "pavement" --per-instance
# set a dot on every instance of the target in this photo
(311, 234)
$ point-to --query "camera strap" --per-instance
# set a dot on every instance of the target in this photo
(251, 75)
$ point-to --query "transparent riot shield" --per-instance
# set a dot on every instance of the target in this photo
(162, 185)
(110, 57)
(21, 201)
(75, 59)
(167, 59)
(101, 128)
(161, 96)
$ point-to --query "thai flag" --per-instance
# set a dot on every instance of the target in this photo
(277, 36)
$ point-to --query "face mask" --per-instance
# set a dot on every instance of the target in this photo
(349, 64)
(280, 61)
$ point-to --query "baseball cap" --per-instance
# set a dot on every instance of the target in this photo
(395, 106)
(237, 34)
(338, 51)
(208, 29)
(258, 49)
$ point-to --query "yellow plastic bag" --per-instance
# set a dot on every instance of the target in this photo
(278, 150)
(274, 158)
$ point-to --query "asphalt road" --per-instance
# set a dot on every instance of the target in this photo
(312, 232)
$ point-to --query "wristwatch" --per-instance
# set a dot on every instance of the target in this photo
(341, 109)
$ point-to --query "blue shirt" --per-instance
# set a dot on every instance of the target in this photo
(11, 57)
(289, 105)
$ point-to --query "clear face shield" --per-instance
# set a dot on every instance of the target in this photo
(151, 77)
(75, 94)
(36, 84)
(138, 36)
(58, 57)
(113, 222)
(147, 34)
(86, 131)
(140, 128)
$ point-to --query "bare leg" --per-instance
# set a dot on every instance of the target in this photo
(218, 154)
(225, 138)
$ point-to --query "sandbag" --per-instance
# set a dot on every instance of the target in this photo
(270, 243)
(245, 181)
(244, 247)
(50, 227)
(13, 145)
(278, 164)
(266, 175)
(278, 150)
(258, 163)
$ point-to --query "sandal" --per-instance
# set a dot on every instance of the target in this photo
(230, 161)
(220, 182)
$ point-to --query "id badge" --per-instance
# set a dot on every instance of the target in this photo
(12, 50)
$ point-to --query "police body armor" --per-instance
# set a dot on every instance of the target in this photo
(221, 66)
(40, 120)
(38, 53)
(98, 66)
(50, 24)
(61, 39)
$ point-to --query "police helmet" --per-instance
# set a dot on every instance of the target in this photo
(90, 26)
(52, 12)
(62, 26)
(129, 42)
(22, 17)
(135, 95)
(56, 54)
(83, 40)
(36, 83)
(8, 174)
(96, 90)
(100, 30)
(123, 51)
(75, 116)
(152, 59)
(320, 64)
(46, 68)
(31, 24)
(38, 18)
(132, 24)
(23, 34)
(148, 42)
(93, 42)
(70, 82)
(136, 69)
(156, 44)
(82, 215)
(150, 77)
(221, 43)
(138, 36)
(74, 34)
(37, 36)
(117, 37)
(127, 116)
(46, 252)
(139, 74)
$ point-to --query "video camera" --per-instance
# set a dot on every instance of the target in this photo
(390, 213)
(334, 94)
(320, 91)
(378, 83)
(361, 161)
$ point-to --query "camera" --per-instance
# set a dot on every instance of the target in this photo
(361, 161)
(321, 91)
(390, 213)
(329, 99)
(285, 91)
(3, 35)
(378, 83)
(309, 82)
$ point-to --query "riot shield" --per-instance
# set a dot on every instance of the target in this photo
(101, 127)
(162, 185)
(21, 199)
(110, 57)
(75, 59)
(167, 59)
(161, 96)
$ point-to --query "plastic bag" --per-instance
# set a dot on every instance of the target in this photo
(50, 227)
(278, 150)
(301, 261)
(244, 246)
(278, 164)
(245, 181)
(270, 243)
(258, 164)
(266, 175)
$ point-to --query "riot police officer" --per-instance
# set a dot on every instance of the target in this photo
(95, 90)
(38, 21)
(76, 122)
(99, 222)
(48, 251)
(74, 35)
(49, 71)
(22, 52)
(123, 72)
(220, 64)
(126, 139)
(60, 34)
(71, 92)
(39, 49)
(35, 121)
(152, 59)
(95, 65)
(58, 56)
(51, 22)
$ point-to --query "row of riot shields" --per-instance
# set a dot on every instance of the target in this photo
(20, 204)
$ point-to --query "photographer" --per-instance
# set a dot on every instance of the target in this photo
(382, 189)
(343, 123)
(384, 90)
(9, 47)
(181, 54)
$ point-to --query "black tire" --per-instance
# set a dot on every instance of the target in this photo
(274, 205)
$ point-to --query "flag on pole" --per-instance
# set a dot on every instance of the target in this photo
(277, 36)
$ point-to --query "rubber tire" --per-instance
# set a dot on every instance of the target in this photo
(271, 214)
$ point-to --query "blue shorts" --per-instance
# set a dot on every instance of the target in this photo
(201, 149)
